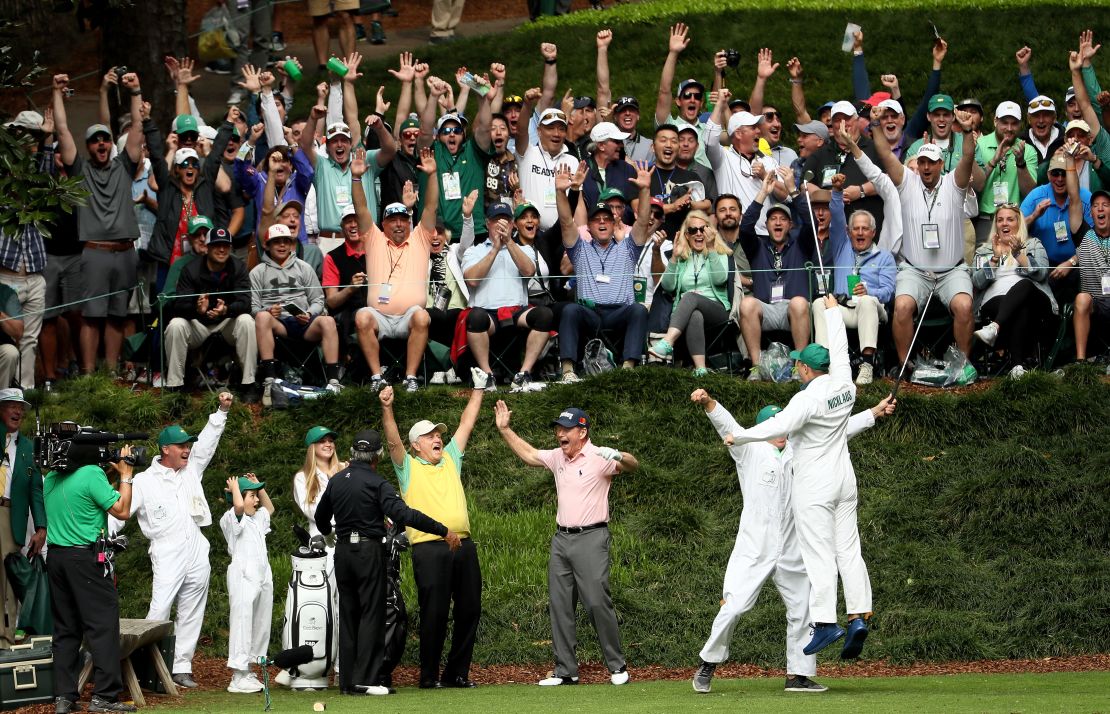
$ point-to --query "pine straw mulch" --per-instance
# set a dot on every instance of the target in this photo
(212, 674)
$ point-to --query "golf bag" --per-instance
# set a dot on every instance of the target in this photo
(311, 606)
(396, 616)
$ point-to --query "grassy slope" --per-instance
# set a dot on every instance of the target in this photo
(982, 37)
(980, 514)
(962, 693)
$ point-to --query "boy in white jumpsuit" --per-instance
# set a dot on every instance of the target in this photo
(168, 501)
(766, 544)
(824, 490)
(250, 583)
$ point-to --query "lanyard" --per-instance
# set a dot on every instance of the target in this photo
(776, 258)
(925, 197)
(593, 244)
(393, 263)
(663, 183)
(698, 268)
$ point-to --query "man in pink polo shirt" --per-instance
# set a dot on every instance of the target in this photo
(579, 562)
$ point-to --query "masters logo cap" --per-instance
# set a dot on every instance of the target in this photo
(814, 355)
(174, 434)
(318, 432)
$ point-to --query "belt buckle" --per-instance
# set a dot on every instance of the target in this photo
(355, 538)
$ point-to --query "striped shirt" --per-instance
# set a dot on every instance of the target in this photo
(1094, 262)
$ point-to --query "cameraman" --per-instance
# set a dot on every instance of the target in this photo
(83, 597)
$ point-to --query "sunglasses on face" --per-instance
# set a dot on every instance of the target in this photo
(190, 163)
(692, 95)
(415, 133)
(695, 230)
(770, 116)
(449, 130)
(1057, 173)
(657, 215)
(188, 137)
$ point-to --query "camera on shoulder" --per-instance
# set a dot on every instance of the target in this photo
(67, 446)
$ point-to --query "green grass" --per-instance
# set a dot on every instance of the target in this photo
(982, 37)
(982, 515)
(1010, 694)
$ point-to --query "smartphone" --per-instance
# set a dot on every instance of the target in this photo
(293, 310)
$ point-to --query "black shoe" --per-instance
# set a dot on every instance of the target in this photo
(802, 683)
(360, 32)
(278, 398)
(432, 684)
(250, 393)
(377, 33)
(458, 683)
(62, 705)
(220, 66)
(96, 704)
(391, 12)
(440, 40)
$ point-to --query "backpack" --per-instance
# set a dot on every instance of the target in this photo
(597, 358)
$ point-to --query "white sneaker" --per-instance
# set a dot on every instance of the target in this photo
(237, 97)
(377, 691)
(438, 378)
(866, 374)
(570, 378)
(554, 681)
(988, 334)
(451, 377)
(243, 683)
(334, 386)
(283, 678)
(619, 678)
(1017, 372)
(756, 375)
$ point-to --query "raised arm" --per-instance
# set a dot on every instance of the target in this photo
(524, 451)
(308, 135)
(677, 43)
(797, 90)
(764, 68)
(134, 146)
(404, 74)
(967, 157)
(497, 95)
(431, 190)
(389, 426)
(1075, 202)
(436, 89)
(550, 81)
(531, 97)
(483, 119)
(350, 98)
(469, 418)
(104, 112)
(66, 147)
(890, 162)
(376, 123)
(604, 93)
(641, 229)
(566, 216)
(358, 197)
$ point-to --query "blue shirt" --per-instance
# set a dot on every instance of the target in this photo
(503, 286)
(253, 181)
(614, 265)
(1044, 228)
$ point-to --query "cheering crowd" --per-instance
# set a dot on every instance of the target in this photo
(506, 231)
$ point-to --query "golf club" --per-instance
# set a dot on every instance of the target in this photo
(909, 352)
(813, 224)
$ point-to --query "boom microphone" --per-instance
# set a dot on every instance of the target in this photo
(103, 437)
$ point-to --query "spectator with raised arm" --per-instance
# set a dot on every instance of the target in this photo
(537, 163)
(690, 98)
(823, 164)
(1011, 171)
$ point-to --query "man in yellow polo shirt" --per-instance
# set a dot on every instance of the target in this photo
(430, 481)
(396, 273)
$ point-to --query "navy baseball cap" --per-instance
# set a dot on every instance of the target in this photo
(571, 417)
(498, 210)
(600, 207)
(220, 235)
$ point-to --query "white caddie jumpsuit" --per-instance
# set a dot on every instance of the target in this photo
(250, 587)
(824, 491)
(766, 544)
(171, 509)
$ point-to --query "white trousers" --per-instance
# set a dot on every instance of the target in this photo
(31, 290)
(250, 596)
(825, 517)
(865, 316)
(182, 578)
(183, 335)
(744, 578)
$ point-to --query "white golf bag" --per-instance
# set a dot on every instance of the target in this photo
(311, 616)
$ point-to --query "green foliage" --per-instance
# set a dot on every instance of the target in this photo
(981, 515)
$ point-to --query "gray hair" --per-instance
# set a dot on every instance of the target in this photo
(368, 457)
(867, 214)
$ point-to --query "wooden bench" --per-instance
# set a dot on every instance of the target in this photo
(142, 637)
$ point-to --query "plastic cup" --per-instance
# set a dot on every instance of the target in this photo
(294, 71)
(336, 65)
(853, 281)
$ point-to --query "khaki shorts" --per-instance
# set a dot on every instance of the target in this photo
(393, 326)
(917, 284)
(322, 8)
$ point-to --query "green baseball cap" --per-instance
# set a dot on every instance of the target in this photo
(941, 101)
(185, 122)
(245, 484)
(766, 413)
(410, 122)
(196, 223)
(611, 193)
(318, 432)
(174, 434)
(814, 355)
(519, 210)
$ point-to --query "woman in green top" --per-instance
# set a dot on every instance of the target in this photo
(697, 274)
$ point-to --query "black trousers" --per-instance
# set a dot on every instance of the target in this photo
(1019, 314)
(85, 605)
(360, 579)
(443, 577)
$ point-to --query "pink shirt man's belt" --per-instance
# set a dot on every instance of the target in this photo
(582, 529)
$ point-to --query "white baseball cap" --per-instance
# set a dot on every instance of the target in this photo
(346, 210)
(932, 152)
(892, 104)
(182, 155)
(742, 118)
(1078, 124)
(1007, 109)
(278, 230)
(338, 129)
(553, 115)
(606, 131)
(1041, 103)
(26, 120)
(423, 427)
(843, 107)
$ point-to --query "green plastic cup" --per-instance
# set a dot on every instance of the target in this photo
(294, 71)
(336, 65)
(853, 281)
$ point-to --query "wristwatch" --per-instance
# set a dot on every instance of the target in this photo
(127, 481)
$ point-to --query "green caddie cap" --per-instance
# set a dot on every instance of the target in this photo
(185, 122)
(519, 210)
(611, 193)
(318, 432)
(766, 413)
(196, 223)
(941, 101)
(814, 355)
(174, 434)
(245, 484)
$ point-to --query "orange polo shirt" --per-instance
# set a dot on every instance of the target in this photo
(403, 267)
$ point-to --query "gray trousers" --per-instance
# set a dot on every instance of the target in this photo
(183, 335)
(579, 570)
(255, 25)
(694, 313)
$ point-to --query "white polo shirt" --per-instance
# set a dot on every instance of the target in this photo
(932, 222)
(536, 169)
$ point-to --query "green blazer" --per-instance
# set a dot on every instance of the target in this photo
(26, 491)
